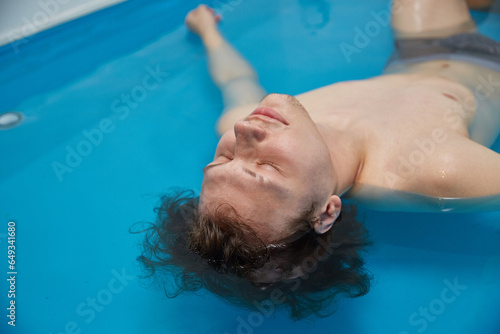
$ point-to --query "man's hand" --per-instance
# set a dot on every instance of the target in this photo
(202, 21)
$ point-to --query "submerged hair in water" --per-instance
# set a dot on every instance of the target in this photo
(184, 251)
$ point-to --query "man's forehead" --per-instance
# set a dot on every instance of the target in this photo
(241, 179)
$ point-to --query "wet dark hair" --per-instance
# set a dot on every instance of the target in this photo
(185, 251)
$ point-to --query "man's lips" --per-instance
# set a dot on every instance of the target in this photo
(271, 113)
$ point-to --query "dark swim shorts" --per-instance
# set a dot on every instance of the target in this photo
(470, 47)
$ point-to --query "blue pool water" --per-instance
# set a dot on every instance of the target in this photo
(118, 108)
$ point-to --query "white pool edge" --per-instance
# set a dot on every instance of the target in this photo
(32, 21)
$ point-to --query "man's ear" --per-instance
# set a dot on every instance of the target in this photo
(329, 214)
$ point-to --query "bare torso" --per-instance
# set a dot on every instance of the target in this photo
(417, 127)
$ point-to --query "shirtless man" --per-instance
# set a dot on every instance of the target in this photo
(271, 199)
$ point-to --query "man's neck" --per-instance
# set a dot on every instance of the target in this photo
(347, 154)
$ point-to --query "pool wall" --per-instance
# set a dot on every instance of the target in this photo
(23, 18)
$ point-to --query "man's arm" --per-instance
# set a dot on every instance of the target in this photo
(469, 169)
(233, 75)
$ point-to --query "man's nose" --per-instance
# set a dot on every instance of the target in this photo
(248, 132)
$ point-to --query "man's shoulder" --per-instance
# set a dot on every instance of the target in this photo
(451, 166)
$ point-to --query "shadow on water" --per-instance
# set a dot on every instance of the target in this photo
(459, 233)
